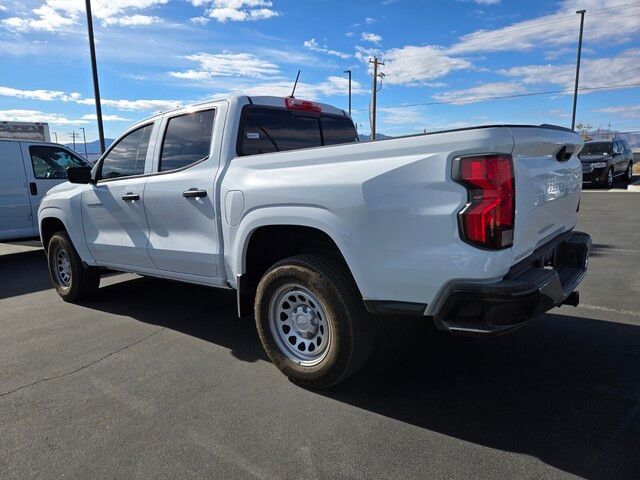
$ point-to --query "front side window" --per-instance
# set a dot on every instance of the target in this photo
(52, 162)
(127, 158)
(187, 140)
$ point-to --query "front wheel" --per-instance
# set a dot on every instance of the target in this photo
(311, 320)
(608, 183)
(70, 278)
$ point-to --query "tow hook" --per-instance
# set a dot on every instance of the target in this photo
(573, 299)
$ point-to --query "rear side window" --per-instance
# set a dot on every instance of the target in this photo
(52, 162)
(127, 158)
(186, 140)
(269, 129)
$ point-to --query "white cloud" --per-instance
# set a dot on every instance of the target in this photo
(106, 118)
(200, 20)
(58, 15)
(237, 10)
(314, 46)
(18, 115)
(226, 65)
(369, 21)
(43, 95)
(624, 111)
(486, 2)
(142, 105)
(349, 34)
(615, 24)
(621, 69)
(332, 86)
(370, 37)
(413, 65)
(480, 92)
(132, 20)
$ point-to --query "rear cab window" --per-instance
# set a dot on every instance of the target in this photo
(265, 129)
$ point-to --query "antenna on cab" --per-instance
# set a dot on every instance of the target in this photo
(295, 85)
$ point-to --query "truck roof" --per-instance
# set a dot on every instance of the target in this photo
(266, 100)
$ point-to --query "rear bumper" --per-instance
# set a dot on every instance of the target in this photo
(546, 279)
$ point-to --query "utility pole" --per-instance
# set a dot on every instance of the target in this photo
(575, 90)
(73, 136)
(94, 68)
(84, 137)
(374, 93)
(349, 72)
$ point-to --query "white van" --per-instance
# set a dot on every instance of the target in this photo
(28, 169)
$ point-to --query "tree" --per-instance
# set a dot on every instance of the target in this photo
(583, 130)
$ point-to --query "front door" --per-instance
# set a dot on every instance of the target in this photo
(113, 215)
(180, 199)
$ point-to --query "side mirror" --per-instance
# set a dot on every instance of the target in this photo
(79, 175)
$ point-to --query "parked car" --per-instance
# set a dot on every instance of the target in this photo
(603, 161)
(316, 232)
(28, 169)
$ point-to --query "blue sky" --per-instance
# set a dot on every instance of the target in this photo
(450, 55)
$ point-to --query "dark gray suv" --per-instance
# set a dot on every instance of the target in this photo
(603, 160)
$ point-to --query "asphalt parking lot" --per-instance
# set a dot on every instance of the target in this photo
(153, 379)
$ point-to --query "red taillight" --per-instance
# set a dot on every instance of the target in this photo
(302, 105)
(488, 218)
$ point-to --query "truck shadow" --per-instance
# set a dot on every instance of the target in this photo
(563, 389)
(23, 273)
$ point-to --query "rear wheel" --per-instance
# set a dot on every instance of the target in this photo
(70, 278)
(311, 320)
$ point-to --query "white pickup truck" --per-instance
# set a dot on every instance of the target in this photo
(276, 198)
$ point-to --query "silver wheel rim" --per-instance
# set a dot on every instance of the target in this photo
(629, 172)
(299, 325)
(62, 267)
(609, 178)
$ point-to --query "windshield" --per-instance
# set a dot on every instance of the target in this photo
(597, 148)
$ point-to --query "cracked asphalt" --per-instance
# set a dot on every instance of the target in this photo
(154, 379)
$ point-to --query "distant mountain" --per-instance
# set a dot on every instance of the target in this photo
(92, 147)
(367, 138)
(633, 138)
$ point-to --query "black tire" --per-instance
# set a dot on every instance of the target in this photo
(608, 182)
(351, 328)
(628, 174)
(77, 282)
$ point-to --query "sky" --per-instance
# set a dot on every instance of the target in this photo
(443, 59)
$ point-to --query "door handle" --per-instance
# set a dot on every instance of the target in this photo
(33, 188)
(127, 197)
(194, 193)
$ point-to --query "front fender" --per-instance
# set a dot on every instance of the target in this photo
(74, 230)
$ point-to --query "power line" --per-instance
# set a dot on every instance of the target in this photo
(500, 97)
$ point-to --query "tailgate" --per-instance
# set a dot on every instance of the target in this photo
(548, 178)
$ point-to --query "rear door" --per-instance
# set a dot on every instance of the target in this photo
(547, 189)
(113, 216)
(16, 218)
(46, 166)
(180, 197)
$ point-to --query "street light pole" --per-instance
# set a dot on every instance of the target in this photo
(575, 90)
(94, 68)
(349, 72)
(84, 137)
